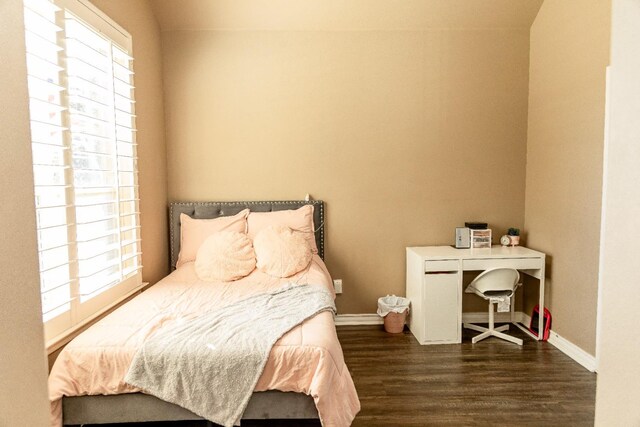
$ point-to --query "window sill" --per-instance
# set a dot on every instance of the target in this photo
(62, 339)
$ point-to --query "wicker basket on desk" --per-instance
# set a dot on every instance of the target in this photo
(394, 322)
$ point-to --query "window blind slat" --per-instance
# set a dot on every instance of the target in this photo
(82, 98)
(129, 228)
(80, 42)
(84, 219)
(51, 305)
(50, 202)
(49, 175)
(121, 57)
(111, 200)
(123, 136)
(37, 42)
(44, 228)
(124, 103)
(96, 153)
(79, 85)
(51, 217)
(96, 268)
(131, 256)
(89, 118)
(96, 178)
(50, 106)
(88, 160)
(52, 279)
(101, 279)
(92, 289)
(133, 269)
(49, 146)
(84, 67)
(49, 125)
(35, 20)
(48, 154)
(76, 29)
(36, 62)
(98, 246)
(106, 233)
(130, 242)
(55, 257)
(44, 91)
(83, 133)
(108, 250)
(45, 8)
(47, 197)
(51, 207)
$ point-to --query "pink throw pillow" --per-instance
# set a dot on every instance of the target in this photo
(226, 256)
(299, 220)
(281, 251)
(193, 232)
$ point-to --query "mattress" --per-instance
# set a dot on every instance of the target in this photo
(308, 359)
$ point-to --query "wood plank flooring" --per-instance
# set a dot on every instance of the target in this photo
(493, 382)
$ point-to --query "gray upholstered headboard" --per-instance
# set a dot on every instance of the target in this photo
(206, 210)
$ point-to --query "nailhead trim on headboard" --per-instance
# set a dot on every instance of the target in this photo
(174, 215)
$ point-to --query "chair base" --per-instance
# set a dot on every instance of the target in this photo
(492, 332)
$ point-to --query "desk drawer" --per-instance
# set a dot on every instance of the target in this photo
(441, 265)
(518, 263)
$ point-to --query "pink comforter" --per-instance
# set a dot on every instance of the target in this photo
(308, 359)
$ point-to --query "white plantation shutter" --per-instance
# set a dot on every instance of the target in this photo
(84, 158)
(50, 156)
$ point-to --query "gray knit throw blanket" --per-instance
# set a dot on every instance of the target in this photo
(211, 364)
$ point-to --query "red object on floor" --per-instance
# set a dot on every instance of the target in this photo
(546, 322)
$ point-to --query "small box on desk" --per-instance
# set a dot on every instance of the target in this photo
(481, 238)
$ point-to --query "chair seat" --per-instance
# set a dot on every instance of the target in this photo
(497, 293)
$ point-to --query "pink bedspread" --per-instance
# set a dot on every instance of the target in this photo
(308, 359)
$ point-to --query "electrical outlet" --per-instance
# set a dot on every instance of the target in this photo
(337, 284)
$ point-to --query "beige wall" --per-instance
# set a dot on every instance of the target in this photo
(138, 19)
(618, 394)
(569, 55)
(404, 133)
(23, 395)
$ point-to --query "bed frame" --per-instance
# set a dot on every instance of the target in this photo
(139, 407)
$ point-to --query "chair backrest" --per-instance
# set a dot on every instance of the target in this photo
(496, 279)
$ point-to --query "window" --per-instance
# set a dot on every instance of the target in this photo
(80, 79)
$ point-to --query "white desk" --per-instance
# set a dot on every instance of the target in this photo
(434, 285)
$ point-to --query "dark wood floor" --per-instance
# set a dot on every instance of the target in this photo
(401, 383)
(493, 382)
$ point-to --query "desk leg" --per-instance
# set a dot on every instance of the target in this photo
(512, 308)
(518, 324)
(541, 302)
(460, 295)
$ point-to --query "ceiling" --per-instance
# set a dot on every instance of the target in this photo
(336, 15)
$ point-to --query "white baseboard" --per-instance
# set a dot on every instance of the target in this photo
(573, 351)
(374, 319)
(567, 347)
(358, 319)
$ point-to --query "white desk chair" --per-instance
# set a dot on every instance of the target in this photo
(494, 285)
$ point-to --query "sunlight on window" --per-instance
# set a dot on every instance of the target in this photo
(84, 155)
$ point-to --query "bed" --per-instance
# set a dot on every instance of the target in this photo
(101, 395)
